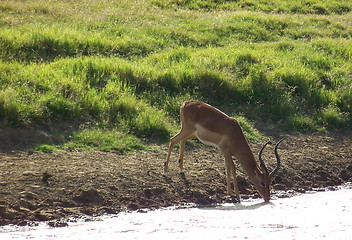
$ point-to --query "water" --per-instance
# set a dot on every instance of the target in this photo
(321, 215)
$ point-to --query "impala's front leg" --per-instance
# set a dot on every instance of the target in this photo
(235, 182)
(228, 177)
(228, 160)
(231, 172)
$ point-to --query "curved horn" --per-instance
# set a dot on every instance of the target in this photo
(262, 164)
(274, 172)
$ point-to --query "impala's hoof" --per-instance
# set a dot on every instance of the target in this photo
(182, 174)
(233, 199)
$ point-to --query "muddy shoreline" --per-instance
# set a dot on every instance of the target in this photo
(49, 187)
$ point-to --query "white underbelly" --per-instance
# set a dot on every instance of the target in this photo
(207, 142)
(207, 137)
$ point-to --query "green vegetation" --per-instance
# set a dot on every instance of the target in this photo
(269, 6)
(119, 70)
(94, 139)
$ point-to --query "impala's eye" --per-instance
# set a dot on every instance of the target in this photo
(262, 184)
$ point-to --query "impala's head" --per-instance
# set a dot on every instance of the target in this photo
(264, 177)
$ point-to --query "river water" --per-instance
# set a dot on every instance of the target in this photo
(320, 215)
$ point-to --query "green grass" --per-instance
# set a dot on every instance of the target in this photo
(270, 6)
(119, 70)
(96, 139)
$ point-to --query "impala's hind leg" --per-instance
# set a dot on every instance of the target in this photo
(182, 137)
(182, 151)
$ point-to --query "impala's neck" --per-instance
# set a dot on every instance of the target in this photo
(248, 163)
(244, 155)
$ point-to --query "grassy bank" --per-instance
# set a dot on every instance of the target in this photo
(121, 69)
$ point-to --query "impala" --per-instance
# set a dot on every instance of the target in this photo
(213, 127)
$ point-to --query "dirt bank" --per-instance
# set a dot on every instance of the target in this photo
(43, 187)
